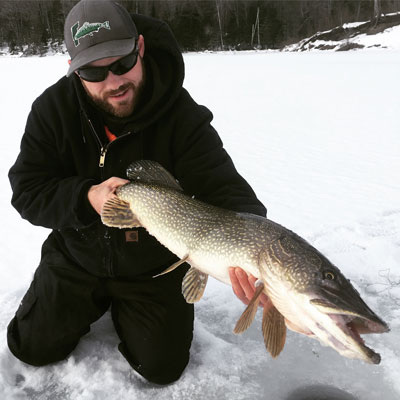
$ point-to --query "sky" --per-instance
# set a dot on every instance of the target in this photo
(316, 134)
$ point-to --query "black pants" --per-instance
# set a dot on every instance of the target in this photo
(151, 317)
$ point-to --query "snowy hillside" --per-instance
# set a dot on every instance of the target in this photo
(317, 136)
(355, 36)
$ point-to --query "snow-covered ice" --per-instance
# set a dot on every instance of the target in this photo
(317, 136)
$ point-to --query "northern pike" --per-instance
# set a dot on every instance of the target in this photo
(87, 29)
(309, 294)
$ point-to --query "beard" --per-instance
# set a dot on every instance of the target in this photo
(122, 108)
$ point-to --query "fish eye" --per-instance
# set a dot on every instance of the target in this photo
(329, 275)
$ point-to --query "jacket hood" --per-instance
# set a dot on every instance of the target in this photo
(164, 70)
(165, 73)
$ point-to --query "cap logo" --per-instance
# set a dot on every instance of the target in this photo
(87, 29)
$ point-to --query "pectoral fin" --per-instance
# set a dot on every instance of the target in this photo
(193, 285)
(117, 213)
(274, 330)
(173, 266)
(246, 319)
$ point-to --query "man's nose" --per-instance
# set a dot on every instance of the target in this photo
(114, 80)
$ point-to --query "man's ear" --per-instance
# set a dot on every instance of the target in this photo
(141, 45)
(69, 63)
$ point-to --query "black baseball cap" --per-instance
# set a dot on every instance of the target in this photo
(96, 29)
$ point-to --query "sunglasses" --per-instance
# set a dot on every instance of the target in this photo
(119, 67)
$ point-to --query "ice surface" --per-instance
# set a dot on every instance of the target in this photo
(317, 136)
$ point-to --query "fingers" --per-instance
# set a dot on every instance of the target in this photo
(243, 286)
(99, 194)
(237, 277)
(114, 183)
(264, 299)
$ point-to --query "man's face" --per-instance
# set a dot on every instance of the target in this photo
(118, 95)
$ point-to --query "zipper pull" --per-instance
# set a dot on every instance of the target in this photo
(103, 152)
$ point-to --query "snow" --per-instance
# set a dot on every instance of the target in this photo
(316, 135)
(353, 24)
(387, 39)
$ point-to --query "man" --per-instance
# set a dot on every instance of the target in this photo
(122, 100)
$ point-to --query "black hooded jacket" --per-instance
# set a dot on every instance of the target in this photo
(64, 142)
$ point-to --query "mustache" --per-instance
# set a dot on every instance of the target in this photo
(121, 89)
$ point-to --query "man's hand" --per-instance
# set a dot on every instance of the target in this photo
(99, 194)
(243, 286)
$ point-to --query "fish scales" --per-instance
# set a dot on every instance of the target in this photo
(212, 237)
(187, 226)
(305, 288)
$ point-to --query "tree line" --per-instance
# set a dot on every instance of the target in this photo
(35, 26)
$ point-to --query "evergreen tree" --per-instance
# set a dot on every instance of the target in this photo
(33, 26)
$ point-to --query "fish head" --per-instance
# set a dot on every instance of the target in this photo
(326, 304)
(334, 297)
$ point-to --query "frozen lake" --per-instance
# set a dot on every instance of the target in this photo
(317, 136)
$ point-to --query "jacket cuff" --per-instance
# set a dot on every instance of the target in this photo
(86, 214)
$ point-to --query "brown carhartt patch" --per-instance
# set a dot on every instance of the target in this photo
(132, 236)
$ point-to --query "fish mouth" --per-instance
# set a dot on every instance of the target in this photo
(353, 327)
(353, 318)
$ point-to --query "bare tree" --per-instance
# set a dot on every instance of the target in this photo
(217, 4)
(30, 25)
(377, 11)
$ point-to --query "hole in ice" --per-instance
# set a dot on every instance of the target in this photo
(319, 392)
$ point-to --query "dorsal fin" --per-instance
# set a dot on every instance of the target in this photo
(151, 172)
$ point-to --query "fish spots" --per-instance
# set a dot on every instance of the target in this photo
(185, 225)
(212, 239)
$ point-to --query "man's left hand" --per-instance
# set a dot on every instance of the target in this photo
(243, 286)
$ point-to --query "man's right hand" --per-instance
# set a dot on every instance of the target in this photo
(99, 194)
